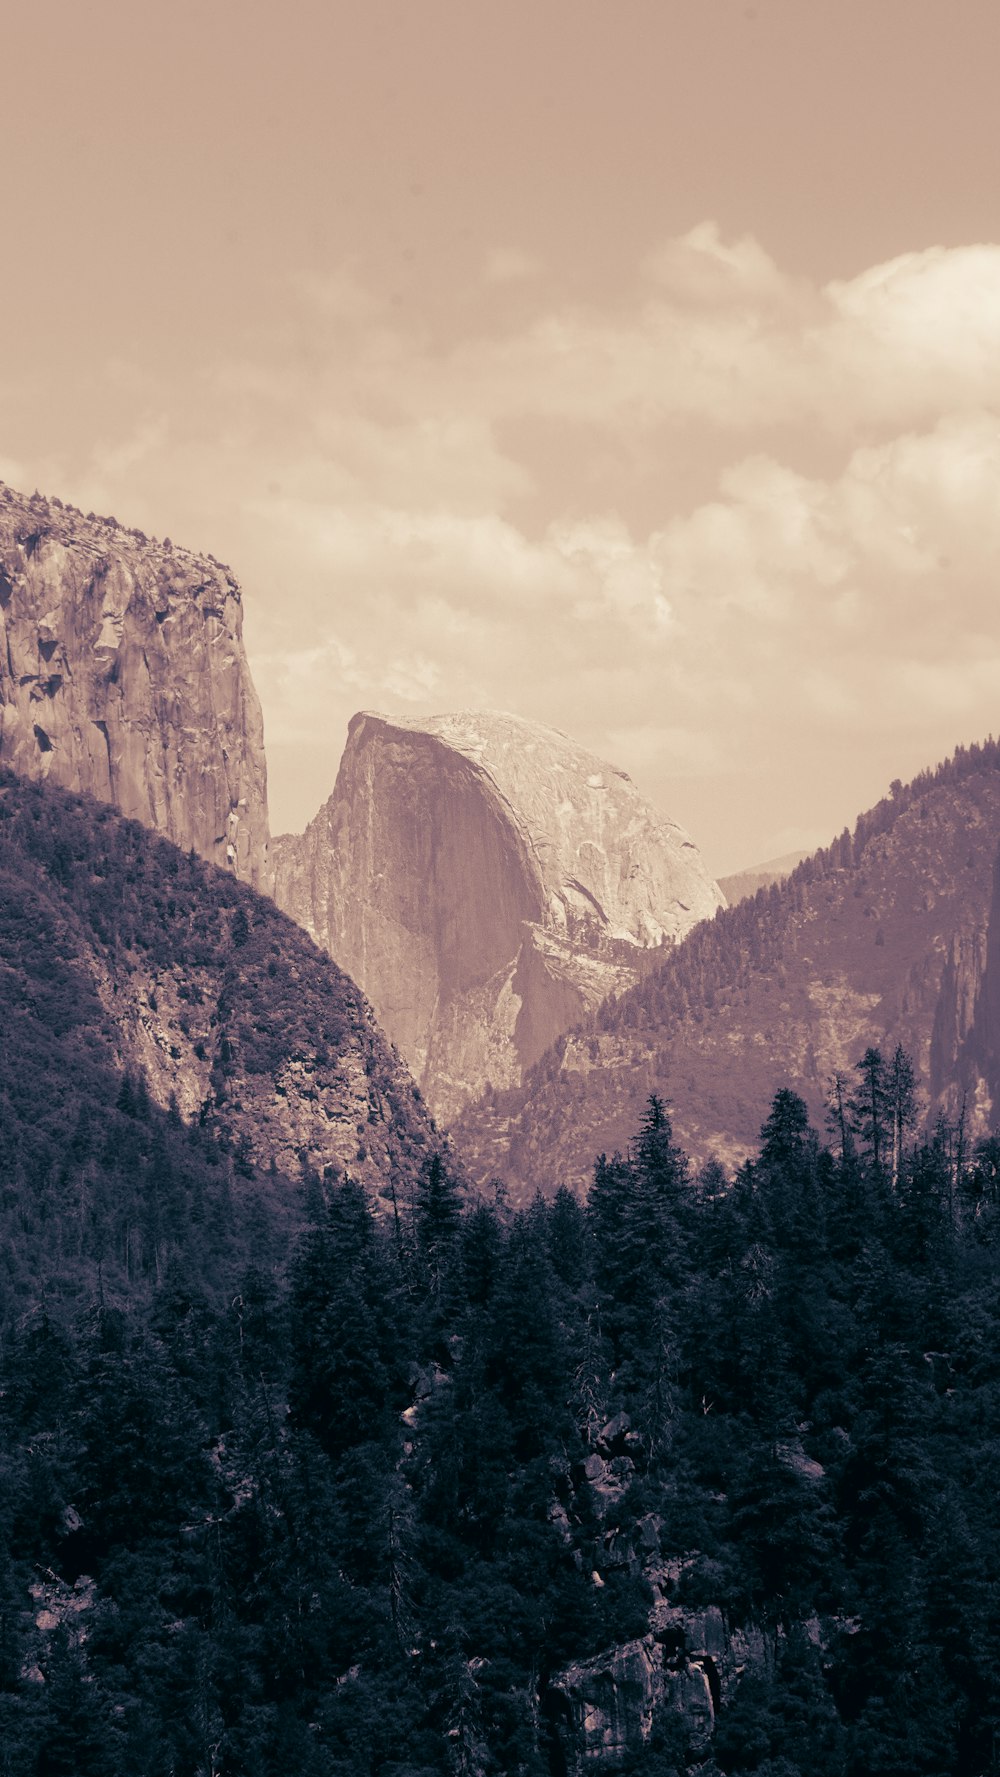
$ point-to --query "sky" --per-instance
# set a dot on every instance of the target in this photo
(633, 367)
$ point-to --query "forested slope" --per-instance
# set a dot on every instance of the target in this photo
(889, 935)
(170, 1046)
(694, 1479)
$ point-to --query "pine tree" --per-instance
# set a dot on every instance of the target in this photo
(348, 1374)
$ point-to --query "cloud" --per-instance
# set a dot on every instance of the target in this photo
(618, 579)
(717, 335)
(724, 510)
(414, 679)
(701, 268)
(936, 311)
(905, 522)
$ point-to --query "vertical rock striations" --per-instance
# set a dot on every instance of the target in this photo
(487, 882)
(123, 674)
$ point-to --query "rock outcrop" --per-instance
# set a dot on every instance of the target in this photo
(604, 1709)
(123, 674)
(487, 882)
(602, 1712)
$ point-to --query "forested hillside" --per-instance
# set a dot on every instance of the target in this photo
(157, 1017)
(312, 1460)
(695, 1477)
(891, 933)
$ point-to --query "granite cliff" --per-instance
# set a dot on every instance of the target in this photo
(487, 882)
(123, 674)
(890, 935)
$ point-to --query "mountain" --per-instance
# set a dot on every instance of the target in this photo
(128, 966)
(123, 674)
(891, 935)
(746, 882)
(487, 882)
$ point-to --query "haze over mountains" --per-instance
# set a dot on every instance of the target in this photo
(747, 881)
(490, 884)
(485, 880)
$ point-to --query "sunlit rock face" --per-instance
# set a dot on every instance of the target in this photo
(123, 674)
(603, 1711)
(486, 881)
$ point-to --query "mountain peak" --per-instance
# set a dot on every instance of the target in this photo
(486, 880)
(601, 851)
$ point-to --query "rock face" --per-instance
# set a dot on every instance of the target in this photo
(486, 881)
(602, 1712)
(123, 674)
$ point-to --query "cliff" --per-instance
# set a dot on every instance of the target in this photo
(487, 882)
(123, 674)
(891, 935)
(122, 956)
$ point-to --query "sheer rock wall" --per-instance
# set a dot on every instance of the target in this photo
(123, 674)
(486, 882)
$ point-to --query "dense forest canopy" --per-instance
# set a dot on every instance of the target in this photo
(374, 1510)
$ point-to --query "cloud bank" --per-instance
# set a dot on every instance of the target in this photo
(740, 532)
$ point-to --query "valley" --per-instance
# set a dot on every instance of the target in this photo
(508, 1311)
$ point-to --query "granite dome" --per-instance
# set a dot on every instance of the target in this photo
(486, 881)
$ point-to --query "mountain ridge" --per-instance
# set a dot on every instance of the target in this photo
(883, 936)
(743, 883)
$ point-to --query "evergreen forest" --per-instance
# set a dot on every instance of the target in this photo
(358, 1498)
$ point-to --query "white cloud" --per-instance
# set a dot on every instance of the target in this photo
(720, 337)
(936, 311)
(619, 578)
(414, 679)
